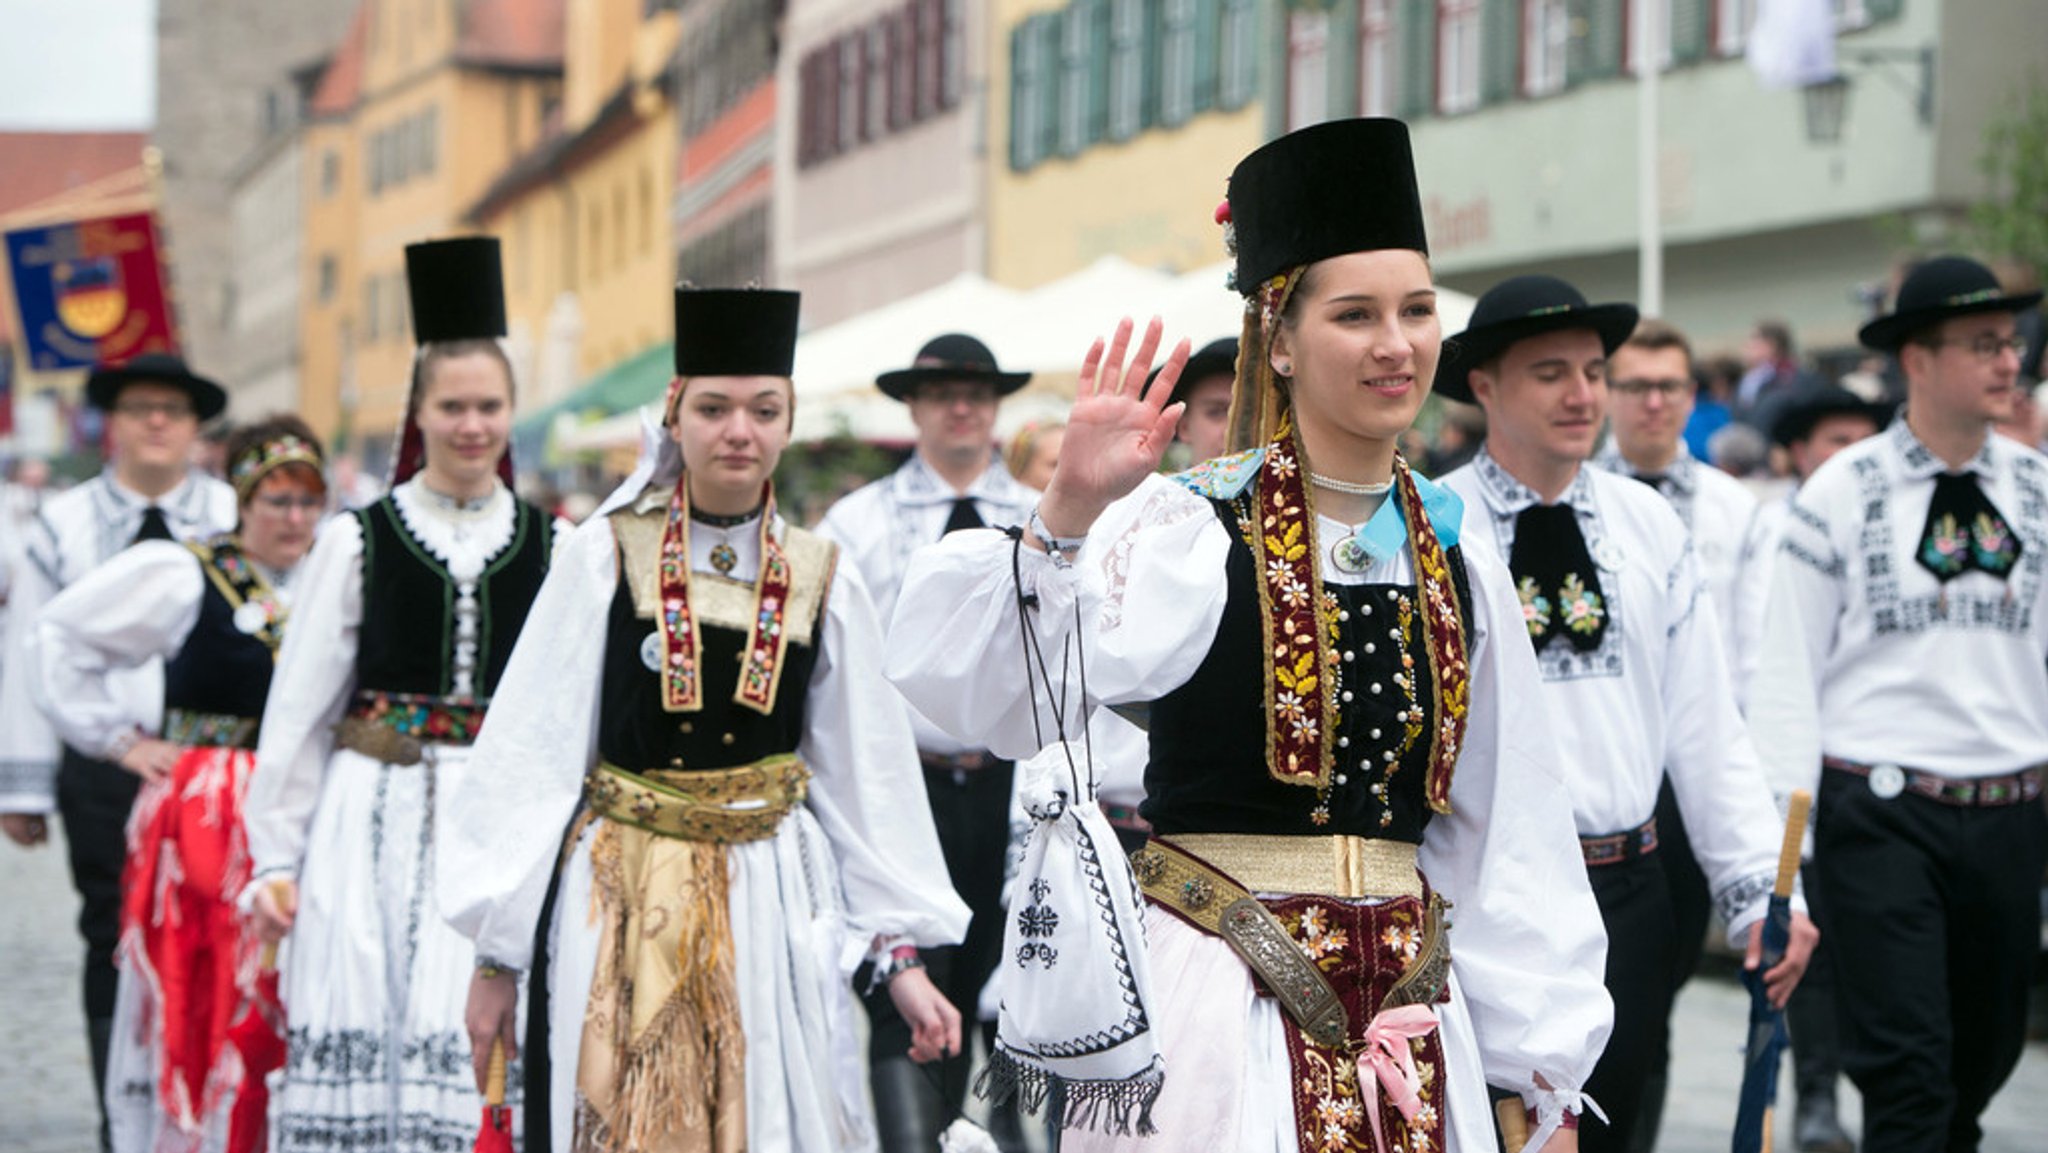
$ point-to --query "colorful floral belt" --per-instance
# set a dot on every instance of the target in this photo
(396, 728)
(210, 730)
(721, 806)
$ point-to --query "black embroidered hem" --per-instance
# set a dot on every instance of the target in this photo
(1113, 1108)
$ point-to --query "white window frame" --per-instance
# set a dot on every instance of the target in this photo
(1546, 46)
(1308, 68)
(1459, 62)
(1732, 21)
(1378, 79)
(1851, 15)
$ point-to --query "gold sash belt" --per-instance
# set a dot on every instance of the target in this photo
(719, 806)
(1324, 866)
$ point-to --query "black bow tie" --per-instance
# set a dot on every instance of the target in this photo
(1656, 480)
(153, 527)
(1965, 531)
(964, 515)
(1556, 578)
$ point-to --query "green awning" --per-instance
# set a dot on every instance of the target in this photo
(637, 380)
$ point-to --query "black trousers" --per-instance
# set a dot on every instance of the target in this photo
(971, 809)
(1936, 917)
(1635, 904)
(1811, 1015)
(93, 799)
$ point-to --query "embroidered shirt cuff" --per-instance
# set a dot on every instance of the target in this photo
(118, 745)
(1554, 1109)
(245, 901)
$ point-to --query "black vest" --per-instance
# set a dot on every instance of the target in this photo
(1208, 772)
(635, 733)
(407, 640)
(221, 669)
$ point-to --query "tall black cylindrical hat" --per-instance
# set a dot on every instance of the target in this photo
(735, 332)
(1323, 191)
(458, 289)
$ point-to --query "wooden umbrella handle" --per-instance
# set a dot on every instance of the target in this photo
(494, 1075)
(279, 890)
(1514, 1124)
(1796, 808)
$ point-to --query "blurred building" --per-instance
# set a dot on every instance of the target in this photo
(1525, 119)
(881, 137)
(420, 110)
(725, 178)
(1114, 125)
(218, 71)
(584, 212)
(266, 194)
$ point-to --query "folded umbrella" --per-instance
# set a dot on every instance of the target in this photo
(1767, 1036)
(257, 1035)
(495, 1136)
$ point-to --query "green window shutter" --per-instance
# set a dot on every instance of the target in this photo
(1598, 29)
(1689, 29)
(1023, 93)
(1416, 34)
(1208, 53)
(1500, 50)
(1341, 62)
(1049, 88)
(1882, 9)
(1149, 60)
(1096, 13)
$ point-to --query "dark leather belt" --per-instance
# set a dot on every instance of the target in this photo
(955, 762)
(1616, 848)
(1888, 781)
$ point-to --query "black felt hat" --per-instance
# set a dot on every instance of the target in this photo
(1332, 188)
(1216, 358)
(457, 288)
(735, 331)
(1517, 309)
(1943, 287)
(104, 386)
(954, 356)
(1808, 407)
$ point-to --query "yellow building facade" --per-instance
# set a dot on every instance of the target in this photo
(1113, 127)
(584, 214)
(422, 108)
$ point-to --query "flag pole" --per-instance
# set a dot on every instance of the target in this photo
(1646, 24)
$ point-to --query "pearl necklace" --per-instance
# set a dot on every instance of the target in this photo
(1350, 488)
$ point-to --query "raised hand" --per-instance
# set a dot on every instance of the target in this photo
(1115, 436)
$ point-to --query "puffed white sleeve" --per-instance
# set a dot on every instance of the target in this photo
(309, 692)
(1713, 765)
(1149, 585)
(501, 830)
(28, 744)
(139, 606)
(1528, 948)
(867, 791)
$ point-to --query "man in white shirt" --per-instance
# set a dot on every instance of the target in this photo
(1630, 652)
(1918, 560)
(150, 491)
(954, 480)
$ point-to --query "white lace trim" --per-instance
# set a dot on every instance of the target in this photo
(464, 536)
(1168, 504)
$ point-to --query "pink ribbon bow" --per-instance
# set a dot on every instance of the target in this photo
(1388, 1055)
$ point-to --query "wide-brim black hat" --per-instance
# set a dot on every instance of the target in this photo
(954, 356)
(457, 288)
(735, 331)
(1216, 358)
(1517, 309)
(1322, 191)
(1805, 410)
(1944, 287)
(104, 386)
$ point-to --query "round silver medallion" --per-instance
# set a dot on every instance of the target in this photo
(1349, 557)
(1887, 781)
(650, 652)
(250, 618)
(1608, 555)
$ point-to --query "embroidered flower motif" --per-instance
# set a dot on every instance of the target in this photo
(1304, 728)
(1288, 706)
(1294, 592)
(1535, 607)
(1403, 941)
(1583, 610)
(1945, 546)
(1994, 546)
(1282, 464)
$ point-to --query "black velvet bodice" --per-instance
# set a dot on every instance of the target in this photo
(1207, 772)
(636, 733)
(220, 670)
(407, 640)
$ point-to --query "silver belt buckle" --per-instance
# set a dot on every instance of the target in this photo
(1887, 781)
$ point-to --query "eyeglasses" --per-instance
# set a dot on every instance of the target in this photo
(1670, 388)
(144, 409)
(1987, 346)
(281, 504)
(948, 395)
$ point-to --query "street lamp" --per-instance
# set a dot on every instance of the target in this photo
(1827, 101)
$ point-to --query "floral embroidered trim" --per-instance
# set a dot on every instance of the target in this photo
(767, 640)
(1300, 691)
(435, 720)
(1449, 672)
(1583, 609)
(210, 730)
(258, 610)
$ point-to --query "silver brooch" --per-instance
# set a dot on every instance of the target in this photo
(1609, 556)
(1887, 781)
(650, 652)
(250, 618)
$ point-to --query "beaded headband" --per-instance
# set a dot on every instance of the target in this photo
(261, 460)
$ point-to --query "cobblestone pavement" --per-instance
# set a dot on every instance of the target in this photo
(46, 1084)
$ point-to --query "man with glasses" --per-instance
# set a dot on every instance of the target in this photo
(1918, 564)
(149, 491)
(954, 480)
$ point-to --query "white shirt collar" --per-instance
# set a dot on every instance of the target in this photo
(1507, 496)
(1919, 462)
(918, 483)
